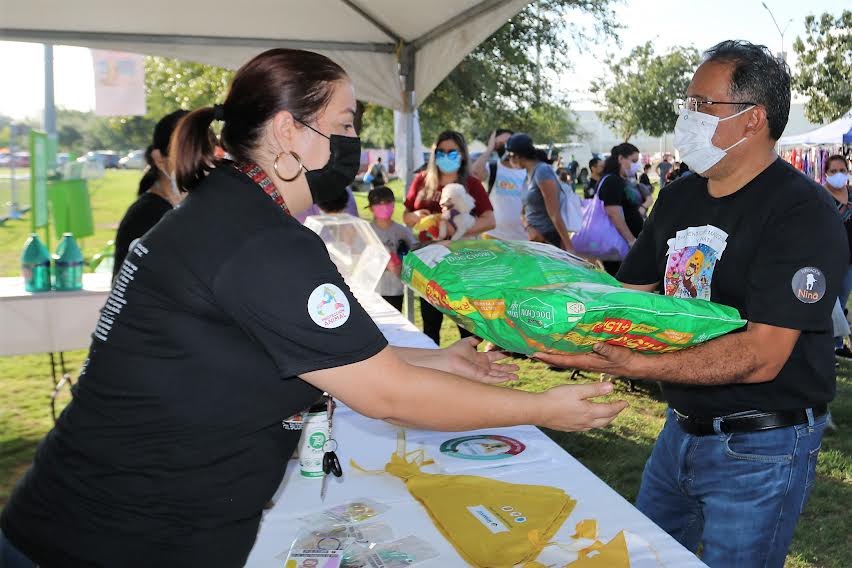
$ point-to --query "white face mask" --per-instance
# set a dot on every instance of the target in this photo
(837, 180)
(693, 139)
(633, 169)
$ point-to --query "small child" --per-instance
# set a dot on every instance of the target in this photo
(397, 239)
(335, 205)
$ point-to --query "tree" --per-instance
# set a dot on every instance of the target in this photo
(377, 126)
(171, 84)
(644, 85)
(825, 66)
(507, 80)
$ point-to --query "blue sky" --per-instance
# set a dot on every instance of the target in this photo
(700, 23)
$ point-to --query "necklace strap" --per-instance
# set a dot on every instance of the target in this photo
(258, 176)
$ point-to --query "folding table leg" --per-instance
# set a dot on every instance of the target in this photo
(57, 386)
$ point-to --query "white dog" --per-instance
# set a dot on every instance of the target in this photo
(456, 205)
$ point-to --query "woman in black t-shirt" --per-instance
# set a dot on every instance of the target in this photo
(622, 201)
(158, 193)
(226, 320)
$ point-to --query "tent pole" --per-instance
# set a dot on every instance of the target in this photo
(49, 106)
(407, 64)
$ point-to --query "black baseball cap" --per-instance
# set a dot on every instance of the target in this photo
(522, 145)
(381, 194)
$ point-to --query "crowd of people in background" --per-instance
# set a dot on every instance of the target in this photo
(519, 193)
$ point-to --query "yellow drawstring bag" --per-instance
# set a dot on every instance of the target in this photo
(491, 524)
(613, 554)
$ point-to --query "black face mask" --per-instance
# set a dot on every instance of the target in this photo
(328, 182)
(501, 151)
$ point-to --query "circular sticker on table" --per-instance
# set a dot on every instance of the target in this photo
(328, 306)
(483, 447)
(809, 285)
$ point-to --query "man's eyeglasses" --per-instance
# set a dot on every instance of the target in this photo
(694, 104)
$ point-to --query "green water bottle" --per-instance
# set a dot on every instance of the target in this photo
(68, 265)
(35, 263)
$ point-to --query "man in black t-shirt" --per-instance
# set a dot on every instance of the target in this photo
(735, 462)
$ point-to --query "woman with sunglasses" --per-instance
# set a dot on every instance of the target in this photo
(448, 163)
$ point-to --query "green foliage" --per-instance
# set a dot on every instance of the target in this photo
(80, 132)
(507, 80)
(644, 85)
(825, 66)
(377, 126)
(171, 84)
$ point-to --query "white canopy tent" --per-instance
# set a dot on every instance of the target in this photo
(396, 52)
(837, 132)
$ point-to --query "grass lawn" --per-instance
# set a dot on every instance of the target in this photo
(616, 454)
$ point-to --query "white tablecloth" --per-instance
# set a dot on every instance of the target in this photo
(371, 442)
(61, 321)
(49, 321)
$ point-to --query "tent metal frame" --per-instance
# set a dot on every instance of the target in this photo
(406, 52)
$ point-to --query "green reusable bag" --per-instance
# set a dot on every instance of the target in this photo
(530, 297)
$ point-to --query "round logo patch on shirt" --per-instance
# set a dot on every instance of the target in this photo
(809, 285)
(328, 306)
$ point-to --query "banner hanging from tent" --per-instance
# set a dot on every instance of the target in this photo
(119, 83)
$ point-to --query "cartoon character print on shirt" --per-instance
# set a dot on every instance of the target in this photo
(328, 300)
(504, 185)
(692, 258)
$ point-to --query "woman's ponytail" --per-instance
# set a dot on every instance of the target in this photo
(192, 148)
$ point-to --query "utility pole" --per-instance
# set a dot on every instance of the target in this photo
(783, 54)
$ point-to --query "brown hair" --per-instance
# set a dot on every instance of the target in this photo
(430, 185)
(301, 82)
(832, 158)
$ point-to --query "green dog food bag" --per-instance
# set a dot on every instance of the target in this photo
(527, 297)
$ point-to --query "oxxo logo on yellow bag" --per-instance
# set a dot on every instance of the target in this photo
(494, 521)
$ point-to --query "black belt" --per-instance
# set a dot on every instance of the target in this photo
(703, 426)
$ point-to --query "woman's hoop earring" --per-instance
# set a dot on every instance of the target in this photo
(295, 157)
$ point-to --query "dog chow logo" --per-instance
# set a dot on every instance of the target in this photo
(471, 257)
(533, 312)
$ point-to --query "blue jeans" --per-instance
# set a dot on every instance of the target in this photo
(740, 495)
(11, 557)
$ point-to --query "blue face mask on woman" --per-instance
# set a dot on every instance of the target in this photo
(448, 162)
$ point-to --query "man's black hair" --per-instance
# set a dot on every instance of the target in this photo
(757, 77)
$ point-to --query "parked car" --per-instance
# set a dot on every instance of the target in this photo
(21, 159)
(134, 160)
(107, 158)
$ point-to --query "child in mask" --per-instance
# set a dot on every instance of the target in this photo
(397, 238)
